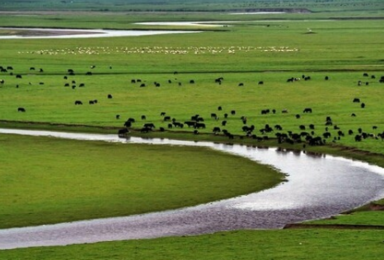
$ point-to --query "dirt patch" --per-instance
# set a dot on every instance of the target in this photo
(376, 207)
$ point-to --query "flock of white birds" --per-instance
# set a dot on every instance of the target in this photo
(161, 50)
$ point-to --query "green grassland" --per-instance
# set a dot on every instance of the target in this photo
(277, 244)
(45, 180)
(247, 52)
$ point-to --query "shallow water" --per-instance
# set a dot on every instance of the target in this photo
(74, 33)
(318, 186)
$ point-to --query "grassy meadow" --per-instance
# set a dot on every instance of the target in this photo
(73, 180)
(259, 48)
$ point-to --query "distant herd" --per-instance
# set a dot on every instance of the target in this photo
(196, 122)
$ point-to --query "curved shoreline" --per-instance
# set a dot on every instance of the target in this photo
(317, 187)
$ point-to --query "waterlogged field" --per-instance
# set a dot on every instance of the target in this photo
(243, 55)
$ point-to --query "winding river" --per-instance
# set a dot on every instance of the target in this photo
(318, 186)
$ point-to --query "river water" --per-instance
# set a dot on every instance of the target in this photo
(52, 33)
(317, 186)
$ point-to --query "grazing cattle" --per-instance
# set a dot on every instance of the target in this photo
(356, 100)
(265, 111)
(142, 85)
(350, 132)
(32, 68)
(167, 118)
(169, 81)
(91, 102)
(284, 111)
(214, 116)
(365, 75)
(297, 116)
(161, 129)
(21, 109)
(278, 127)
(307, 110)
(225, 115)
(93, 66)
(143, 117)
(362, 105)
(78, 102)
(109, 96)
(233, 112)
(326, 78)
(195, 132)
(162, 114)
(261, 82)
(18, 76)
(312, 126)
(223, 123)
(70, 71)
(190, 123)
(157, 84)
(9, 68)
(199, 125)
(302, 127)
(41, 83)
(373, 77)
(149, 125)
(65, 77)
(326, 134)
(219, 108)
(178, 124)
(66, 85)
(192, 81)
(88, 73)
(127, 123)
(133, 81)
(2, 81)
(145, 130)
(132, 120)
(81, 85)
(122, 132)
(180, 84)
(170, 125)
(241, 84)
(358, 138)
(374, 127)
(74, 86)
(218, 80)
(41, 70)
(117, 116)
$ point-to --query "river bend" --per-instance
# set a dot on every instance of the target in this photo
(317, 187)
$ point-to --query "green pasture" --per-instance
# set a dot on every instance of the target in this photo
(275, 244)
(45, 180)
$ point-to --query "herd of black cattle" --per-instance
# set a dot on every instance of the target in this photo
(305, 135)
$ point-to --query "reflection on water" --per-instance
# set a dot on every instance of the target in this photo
(316, 187)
